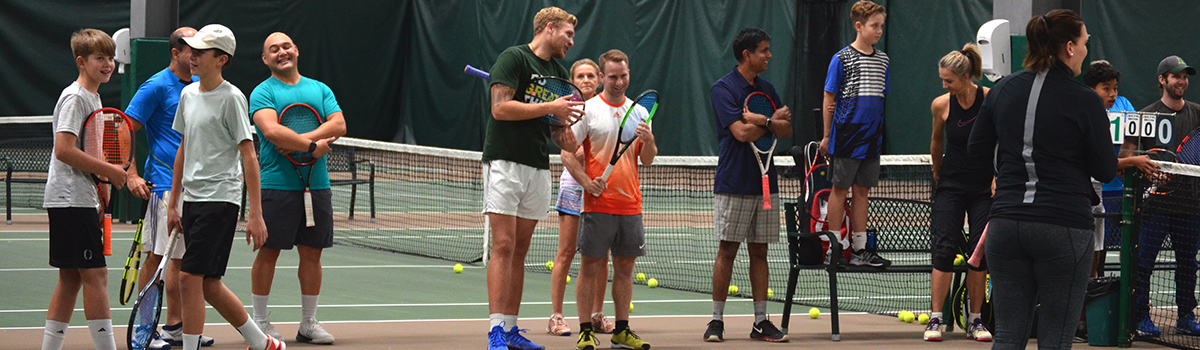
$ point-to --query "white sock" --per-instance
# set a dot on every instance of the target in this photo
(760, 311)
(510, 321)
(495, 320)
(260, 306)
(935, 315)
(972, 317)
(719, 310)
(55, 333)
(858, 240)
(250, 332)
(192, 341)
(308, 307)
(595, 314)
(102, 334)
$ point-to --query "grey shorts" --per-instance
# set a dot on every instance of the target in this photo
(741, 218)
(845, 172)
(601, 233)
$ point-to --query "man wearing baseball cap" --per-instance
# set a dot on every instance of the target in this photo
(212, 117)
(1185, 235)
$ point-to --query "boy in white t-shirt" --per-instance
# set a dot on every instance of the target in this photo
(215, 124)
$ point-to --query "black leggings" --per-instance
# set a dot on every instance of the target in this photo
(950, 205)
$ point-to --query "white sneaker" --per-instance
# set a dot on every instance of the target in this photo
(157, 343)
(933, 330)
(175, 338)
(979, 332)
(268, 329)
(312, 332)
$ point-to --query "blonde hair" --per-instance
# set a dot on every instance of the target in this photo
(88, 41)
(964, 63)
(863, 10)
(551, 14)
(613, 55)
(584, 62)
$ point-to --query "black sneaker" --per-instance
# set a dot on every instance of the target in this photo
(715, 332)
(766, 331)
(867, 257)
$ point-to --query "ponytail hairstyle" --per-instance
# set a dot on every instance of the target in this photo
(964, 63)
(1047, 35)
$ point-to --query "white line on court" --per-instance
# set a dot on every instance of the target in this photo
(122, 268)
(665, 301)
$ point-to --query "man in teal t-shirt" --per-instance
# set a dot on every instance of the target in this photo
(282, 188)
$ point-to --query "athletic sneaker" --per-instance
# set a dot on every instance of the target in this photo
(312, 332)
(268, 329)
(627, 339)
(715, 332)
(497, 339)
(1080, 334)
(867, 257)
(517, 341)
(175, 338)
(601, 324)
(157, 343)
(766, 331)
(1187, 325)
(979, 331)
(558, 325)
(273, 344)
(933, 330)
(1146, 328)
(587, 340)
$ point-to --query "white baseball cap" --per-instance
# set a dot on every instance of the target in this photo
(213, 36)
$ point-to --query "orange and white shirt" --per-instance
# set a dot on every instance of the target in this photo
(597, 134)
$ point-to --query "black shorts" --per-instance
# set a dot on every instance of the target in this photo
(283, 212)
(76, 239)
(950, 207)
(208, 229)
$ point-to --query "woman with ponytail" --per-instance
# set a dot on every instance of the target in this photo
(963, 187)
(1046, 136)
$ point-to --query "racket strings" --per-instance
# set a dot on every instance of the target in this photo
(107, 137)
(553, 89)
(1189, 149)
(145, 317)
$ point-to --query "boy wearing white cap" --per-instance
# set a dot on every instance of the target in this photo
(212, 119)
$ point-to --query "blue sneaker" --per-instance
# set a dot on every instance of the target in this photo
(1187, 325)
(497, 339)
(1146, 328)
(516, 341)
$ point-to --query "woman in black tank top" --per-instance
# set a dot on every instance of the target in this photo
(962, 189)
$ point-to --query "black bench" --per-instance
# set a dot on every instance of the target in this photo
(27, 161)
(343, 160)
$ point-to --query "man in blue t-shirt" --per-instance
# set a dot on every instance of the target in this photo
(283, 195)
(153, 107)
(737, 192)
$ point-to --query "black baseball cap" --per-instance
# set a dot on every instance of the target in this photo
(1173, 65)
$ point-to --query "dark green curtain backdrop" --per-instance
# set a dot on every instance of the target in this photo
(396, 66)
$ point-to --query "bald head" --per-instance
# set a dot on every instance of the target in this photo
(182, 32)
(274, 39)
(280, 55)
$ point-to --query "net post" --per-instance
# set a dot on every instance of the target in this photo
(1129, 225)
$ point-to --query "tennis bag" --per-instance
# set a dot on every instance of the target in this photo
(818, 189)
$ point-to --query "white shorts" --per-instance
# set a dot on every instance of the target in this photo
(516, 189)
(154, 226)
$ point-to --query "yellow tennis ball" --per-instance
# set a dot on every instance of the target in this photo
(641, 277)
(653, 283)
(924, 318)
(568, 279)
(631, 306)
(901, 314)
(770, 293)
(458, 268)
(959, 260)
(814, 313)
(733, 289)
(908, 317)
(550, 265)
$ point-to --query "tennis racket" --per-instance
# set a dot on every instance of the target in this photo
(645, 106)
(541, 90)
(759, 103)
(143, 319)
(132, 265)
(302, 118)
(107, 135)
(1189, 149)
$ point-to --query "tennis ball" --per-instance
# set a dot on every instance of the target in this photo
(770, 293)
(568, 279)
(959, 260)
(901, 315)
(814, 313)
(550, 265)
(458, 268)
(924, 318)
(641, 277)
(907, 317)
(653, 283)
(631, 306)
(733, 289)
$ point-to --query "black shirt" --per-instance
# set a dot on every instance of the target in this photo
(958, 170)
(1044, 161)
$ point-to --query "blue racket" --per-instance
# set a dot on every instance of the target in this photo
(541, 90)
(643, 110)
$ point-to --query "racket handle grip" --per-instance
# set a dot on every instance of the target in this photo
(107, 234)
(977, 255)
(604, 178)
(308, 210)
(766, 185)
(477, 72)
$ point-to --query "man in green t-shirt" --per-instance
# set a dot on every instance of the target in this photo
(516, 165)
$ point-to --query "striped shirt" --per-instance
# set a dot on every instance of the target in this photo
(861, 83)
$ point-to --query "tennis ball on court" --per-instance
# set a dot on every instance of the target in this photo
(732, 289)
(568, 279)
(901, 315)
(959, 260)
(457, 268)
(814, 313)
(907, 317)
(641, 277)
(631, 306)
(770, 293)
(653, 283)
(924, 318)
(550, 265)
